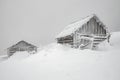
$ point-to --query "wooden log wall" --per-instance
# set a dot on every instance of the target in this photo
(66, 40)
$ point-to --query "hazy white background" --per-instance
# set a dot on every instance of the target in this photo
(39, 21)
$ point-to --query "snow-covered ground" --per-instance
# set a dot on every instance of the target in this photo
(58, 62)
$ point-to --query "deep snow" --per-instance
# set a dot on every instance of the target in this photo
(58, 62)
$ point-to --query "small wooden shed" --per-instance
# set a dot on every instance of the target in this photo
(21, 46)
(84, 34)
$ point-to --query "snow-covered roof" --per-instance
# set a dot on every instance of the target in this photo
(76, 25)
(21, 43)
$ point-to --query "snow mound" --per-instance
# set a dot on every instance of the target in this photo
(3, 57)
(104, 46)
(115, 39)
(18, 56)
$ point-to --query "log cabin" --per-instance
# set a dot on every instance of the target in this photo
(21, 46)
(87, 33)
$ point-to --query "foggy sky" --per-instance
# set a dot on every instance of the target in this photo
(39, 21)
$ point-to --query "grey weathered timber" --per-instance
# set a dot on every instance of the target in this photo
(88, 35)
(21, 46)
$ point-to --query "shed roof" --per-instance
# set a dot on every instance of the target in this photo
(68, 30)
(21, 44)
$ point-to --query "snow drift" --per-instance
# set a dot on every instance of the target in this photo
(58, 62)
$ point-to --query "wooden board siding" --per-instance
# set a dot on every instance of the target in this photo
(75, 40)
(66, 40)
(92, 27)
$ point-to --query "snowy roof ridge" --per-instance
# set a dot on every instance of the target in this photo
(20, 42)
(74, 26)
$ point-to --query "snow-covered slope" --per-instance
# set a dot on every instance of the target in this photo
(58, 62)
(115, 39)
(19, 56)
